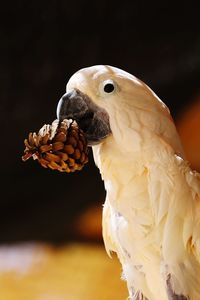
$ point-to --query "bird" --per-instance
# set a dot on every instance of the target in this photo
(151, 214)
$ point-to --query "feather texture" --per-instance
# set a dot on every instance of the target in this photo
(151, 216)
(152, 219)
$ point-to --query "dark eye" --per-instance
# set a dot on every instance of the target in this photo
(109, 87)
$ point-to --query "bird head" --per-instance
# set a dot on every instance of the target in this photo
(107, 101)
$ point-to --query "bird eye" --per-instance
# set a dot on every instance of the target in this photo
(109, 87)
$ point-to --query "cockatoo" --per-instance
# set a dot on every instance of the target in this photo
(151, 215)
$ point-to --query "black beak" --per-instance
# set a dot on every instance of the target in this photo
(92, 119)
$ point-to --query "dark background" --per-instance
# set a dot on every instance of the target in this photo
(42, 43)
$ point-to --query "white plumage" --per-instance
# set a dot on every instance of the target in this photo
(151, 216)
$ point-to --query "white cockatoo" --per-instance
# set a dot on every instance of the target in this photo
(151, 215)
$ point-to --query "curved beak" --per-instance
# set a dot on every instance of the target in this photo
(92, 119)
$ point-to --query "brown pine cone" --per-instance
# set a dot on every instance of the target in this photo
(61, 146)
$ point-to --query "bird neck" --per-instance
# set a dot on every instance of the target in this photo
(126, 173)
(121, 162)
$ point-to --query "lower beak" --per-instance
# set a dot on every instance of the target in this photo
(92, 119)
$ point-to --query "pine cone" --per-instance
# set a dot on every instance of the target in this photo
(61, 146)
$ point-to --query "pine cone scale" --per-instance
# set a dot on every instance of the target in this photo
(45, 148)
(69, 149)
(57, 146)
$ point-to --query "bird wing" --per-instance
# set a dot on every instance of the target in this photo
(107, 235)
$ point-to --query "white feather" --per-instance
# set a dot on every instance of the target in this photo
(151, 216)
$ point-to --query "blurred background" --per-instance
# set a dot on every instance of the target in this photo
(50, 223)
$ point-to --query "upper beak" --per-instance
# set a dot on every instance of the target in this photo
(92, 119)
